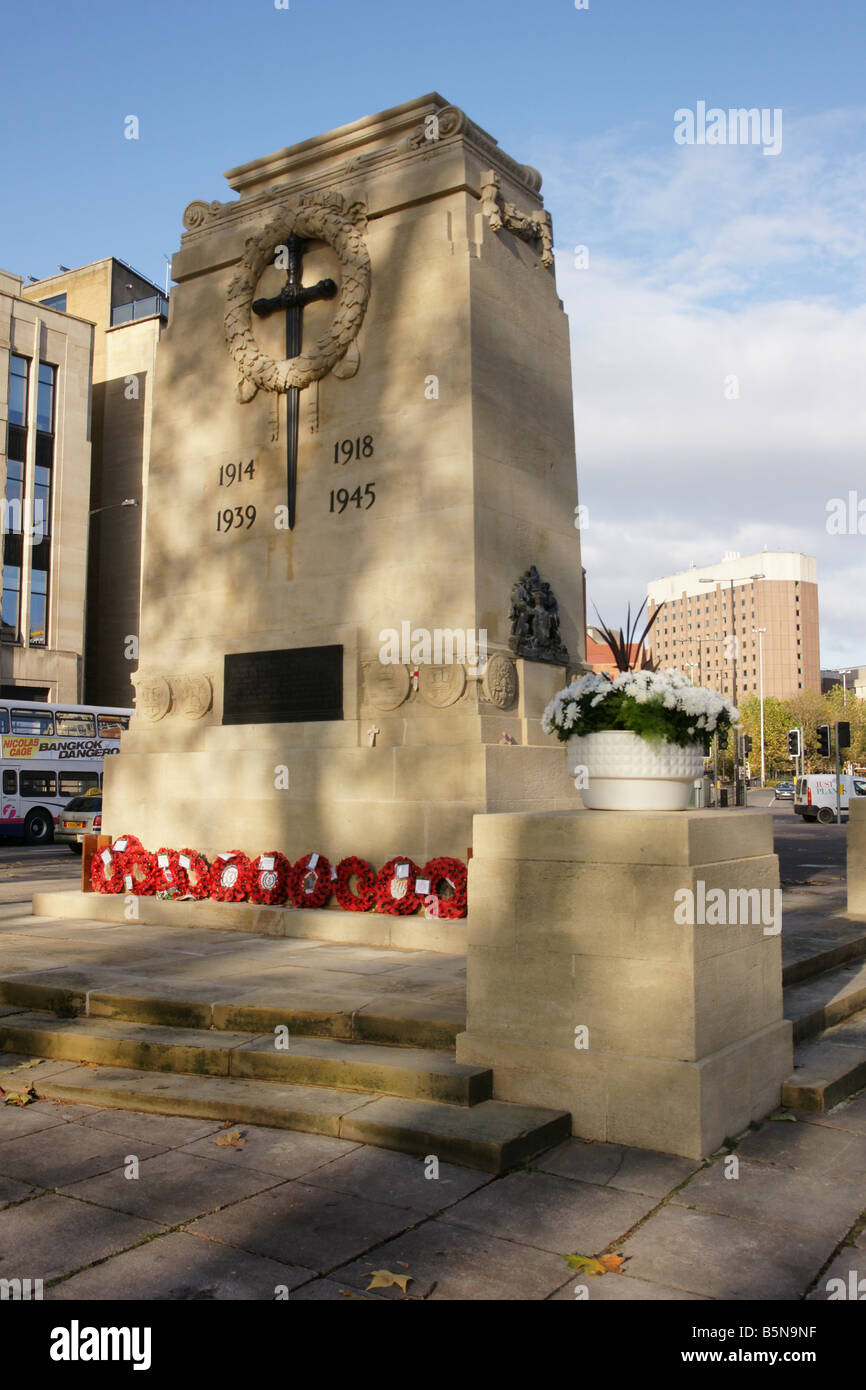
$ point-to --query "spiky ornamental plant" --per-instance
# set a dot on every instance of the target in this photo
(621, 645)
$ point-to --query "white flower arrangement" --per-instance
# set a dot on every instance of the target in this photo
(657, 705)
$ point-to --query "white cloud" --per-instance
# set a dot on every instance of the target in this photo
(707, 263)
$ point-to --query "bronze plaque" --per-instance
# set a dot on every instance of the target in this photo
(295, 686)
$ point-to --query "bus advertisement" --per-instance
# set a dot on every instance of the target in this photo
(48, 755)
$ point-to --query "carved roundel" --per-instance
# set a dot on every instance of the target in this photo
(500, 682)
(340, 230)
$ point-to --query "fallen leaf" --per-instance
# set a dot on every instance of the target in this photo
(384, 1279)
(792, 1118)
(587, 1264)
(25, 1097)
(234, 1139)
(347, 1293)
(614, 1262)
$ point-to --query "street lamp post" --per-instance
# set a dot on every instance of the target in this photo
(760, 631)
(845, 674)
(736, 579)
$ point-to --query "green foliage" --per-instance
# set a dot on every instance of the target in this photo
(649, 720)
(807, 711)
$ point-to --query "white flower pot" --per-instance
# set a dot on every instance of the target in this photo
(624, 772)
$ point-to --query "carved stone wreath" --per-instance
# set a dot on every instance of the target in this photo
(343, 232)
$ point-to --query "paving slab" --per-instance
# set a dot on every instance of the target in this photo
(168, 1130)
(450, 1262)
(849, 1266)
(11, 1191)
(398, 1179)
(306, 1226)
(551, 1213)
(820, 1151)
(179, 1267)
(329, 1290)
(851, 1116)
(16, 1121)
(171, 1188)
(722, 1258)
(66, 1153)
(53, 1235)
(621, 1288)
(284, 1153)
(612, 1165)
(784, 1198)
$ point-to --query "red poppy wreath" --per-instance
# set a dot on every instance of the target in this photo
(310, 884)
(395, 887)
(193, 874)
(451, 873)
(230, 877)
(270, 881)
(363, 896)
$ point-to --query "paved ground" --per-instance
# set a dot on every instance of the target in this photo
(112, 1204)
(101, 1203)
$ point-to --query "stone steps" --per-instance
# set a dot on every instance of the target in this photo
(492, 1136)
(354, 1066)
(823, 1000)
(829, 1069)
(404, 1023)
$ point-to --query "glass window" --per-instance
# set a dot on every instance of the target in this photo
(32, 721)
(75, 724)
(4, 721)
(10, 782)
(35, 784)
(111, 725)
(45, 398)
(11, 603)
(41, 500)
(57, 301)
(14, 495)
(75, 784)
(38, 607)
(18, 374)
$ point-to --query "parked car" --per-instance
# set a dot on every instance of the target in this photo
(784, 792)
(815, 797)
(81, 816)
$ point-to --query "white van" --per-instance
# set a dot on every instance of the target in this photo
(815, 795)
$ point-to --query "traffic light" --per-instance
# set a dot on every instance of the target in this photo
(747, 745)
(843, 735)
(824, 744)
(794, 749)
(722, 737)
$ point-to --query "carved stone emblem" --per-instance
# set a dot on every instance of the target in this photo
(152, 696)
(441, 685)
(386, 686)
(500, 682)
(193, 695)
(534, 619)
(316, 217)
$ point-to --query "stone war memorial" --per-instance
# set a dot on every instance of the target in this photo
(362, 588)
(362, 442)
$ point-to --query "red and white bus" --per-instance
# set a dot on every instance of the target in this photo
(51, 753)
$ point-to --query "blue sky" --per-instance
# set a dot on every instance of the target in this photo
(703, 262)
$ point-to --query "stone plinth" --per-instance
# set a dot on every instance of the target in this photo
(585, 992)
(857, 858)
